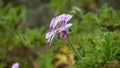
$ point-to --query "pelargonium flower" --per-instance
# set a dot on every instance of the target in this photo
(15, 65)
(59, 25)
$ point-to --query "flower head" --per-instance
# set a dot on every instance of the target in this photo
(15, 65)
(58, 25)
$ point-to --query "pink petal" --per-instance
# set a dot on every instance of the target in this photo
(63, 36)
(68, 17)
(15, 65)
(54, 22)
(48, 40)
(63, 29)
(64, 18)
(68, 25)
(52, 38)
(61, 17)
(49, 34)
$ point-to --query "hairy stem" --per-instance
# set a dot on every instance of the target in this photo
(75, 51)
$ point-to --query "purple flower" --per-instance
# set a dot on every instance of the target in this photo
(59, 25)
(15, 65)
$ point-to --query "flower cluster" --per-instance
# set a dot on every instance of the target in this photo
(58, 25)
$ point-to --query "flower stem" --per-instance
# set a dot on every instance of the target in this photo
(75, 51)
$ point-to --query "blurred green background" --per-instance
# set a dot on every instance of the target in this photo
(95, 33)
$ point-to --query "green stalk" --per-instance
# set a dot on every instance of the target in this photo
(75, 51)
